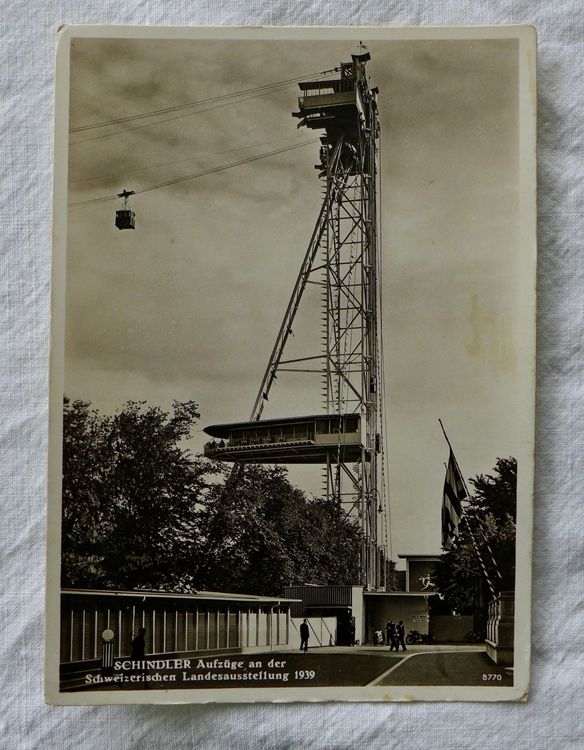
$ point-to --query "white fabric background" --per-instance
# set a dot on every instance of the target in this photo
(553, 716)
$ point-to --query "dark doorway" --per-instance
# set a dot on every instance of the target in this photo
(345, 629)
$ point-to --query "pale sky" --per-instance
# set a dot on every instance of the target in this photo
(188, 305)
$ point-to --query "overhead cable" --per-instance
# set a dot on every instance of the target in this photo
(267, 88)
(169, 119)
(106, 198)
(179, 161)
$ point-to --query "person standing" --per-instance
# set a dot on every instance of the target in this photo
(139, 645)
(304, 636)
(351, 631)
(390, 635)
(138, 655)
(400, 633)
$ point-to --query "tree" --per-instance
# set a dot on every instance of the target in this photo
(260, 534)
(131, 494)
(496, 495)
(140, 512)
(86, 508)
(391, 576)
(490, 516)
(494, 502)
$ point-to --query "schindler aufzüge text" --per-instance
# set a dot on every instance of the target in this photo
(198, 670)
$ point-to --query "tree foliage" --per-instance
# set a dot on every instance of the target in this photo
(141, 511)
(392, 582)
(261, 532)
(130, 495)
(491, 517)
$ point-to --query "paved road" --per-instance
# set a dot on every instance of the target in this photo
(330, 666)
(446, 668)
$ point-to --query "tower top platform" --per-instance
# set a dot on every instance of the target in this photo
(338, 104)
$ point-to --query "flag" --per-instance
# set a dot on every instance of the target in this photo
(454, 493)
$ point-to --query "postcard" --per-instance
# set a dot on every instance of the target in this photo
(292, 365)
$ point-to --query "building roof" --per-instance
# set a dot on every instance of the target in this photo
(197, 596)
(400, 593)
(328, 606)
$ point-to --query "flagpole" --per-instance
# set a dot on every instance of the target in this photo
(444, 433)
(473, 513)
(465, 518)
(455, 459)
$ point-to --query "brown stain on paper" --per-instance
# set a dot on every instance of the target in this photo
(491, 342)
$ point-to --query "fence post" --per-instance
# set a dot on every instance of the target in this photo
(501, 628)
(107, 652)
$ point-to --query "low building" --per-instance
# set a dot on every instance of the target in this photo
(343, 615)
(419, 605)
(174, 623)
(412, 605)
(419, 572)
(335, 614)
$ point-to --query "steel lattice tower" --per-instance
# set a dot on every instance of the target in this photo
(343, 257)
(350, 299)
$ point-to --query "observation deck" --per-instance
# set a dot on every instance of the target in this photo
(339, 106)
(288, 440)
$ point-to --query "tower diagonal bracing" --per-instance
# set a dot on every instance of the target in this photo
(343, 258)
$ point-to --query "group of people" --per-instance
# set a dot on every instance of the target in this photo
(395, 635)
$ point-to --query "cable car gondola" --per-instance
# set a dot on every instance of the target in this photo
(125, 217)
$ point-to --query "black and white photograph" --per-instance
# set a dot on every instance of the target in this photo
(292, 365)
